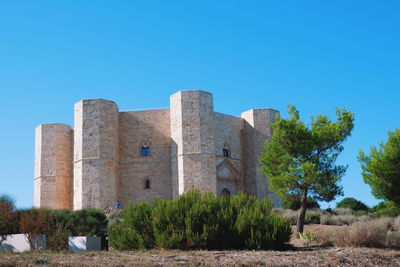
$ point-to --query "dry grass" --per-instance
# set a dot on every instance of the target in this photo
(370, 233)
(396, 224)
(343, 211)
(319, 257)
(306, 254)
(345, 219)
(290, 214)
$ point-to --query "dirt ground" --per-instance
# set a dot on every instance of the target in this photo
(305, 257)
(301, 255)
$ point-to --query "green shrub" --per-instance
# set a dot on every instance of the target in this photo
(293, 202)
(342, 211)
(114, 217)
(337, 219)
(57, 239)
(257, 227)
(360, 213)
(135, 231)
(85, 222)
(89, 222)
(307, 236)
(194, 221)
(353, 204)
(385, 209)
(313, 218)
(201, 221)
(291, 215)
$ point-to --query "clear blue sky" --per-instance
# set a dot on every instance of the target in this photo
(316, 55)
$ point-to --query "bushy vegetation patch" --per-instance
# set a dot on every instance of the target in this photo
(370, 233)
(339, 216)
(201, 221)
(57, 225)
(313, 218)
(346, 219)
(135, 231)
(293, 202)
(291, 215)
(85, 222)
(385, 209)
(7, 217)
(353, 204)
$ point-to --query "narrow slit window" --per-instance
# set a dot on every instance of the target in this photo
(225, 152)
(145, 151)
(147, 184)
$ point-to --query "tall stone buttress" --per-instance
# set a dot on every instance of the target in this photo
(257, 129)
(96, 153)
(193, 144)
(53, 166)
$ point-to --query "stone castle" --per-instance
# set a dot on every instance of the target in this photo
(143, 155)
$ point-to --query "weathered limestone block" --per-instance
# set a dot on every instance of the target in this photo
(96, 153)
(193, 148)
(53, 166)
(145, 128)
(228, 135)
(257, 130)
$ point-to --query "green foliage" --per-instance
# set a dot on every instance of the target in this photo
(85, 222)
(135, 230)
(201, 221)
(307, 236)
(89, 222)
(381, 168)
(114, 217)
(313, 218)
(300, 160)
(9, 200)
(57, 239)
(385, 209)
(353, 204)
(186, 222)
(293, 202)
(383, 205)
(360, 213)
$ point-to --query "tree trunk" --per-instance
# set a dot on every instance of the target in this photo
(302, 212)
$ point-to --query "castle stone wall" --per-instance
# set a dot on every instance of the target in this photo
(138, 128)
(192, 133)
(96, 153)
(100, 161)
(228, 131)
(53, 166)
(257, 129)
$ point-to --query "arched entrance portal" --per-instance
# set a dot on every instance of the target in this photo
(225, 192)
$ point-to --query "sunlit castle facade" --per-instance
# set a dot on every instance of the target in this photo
(133, 156)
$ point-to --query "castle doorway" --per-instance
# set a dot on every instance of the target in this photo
(225, 192)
